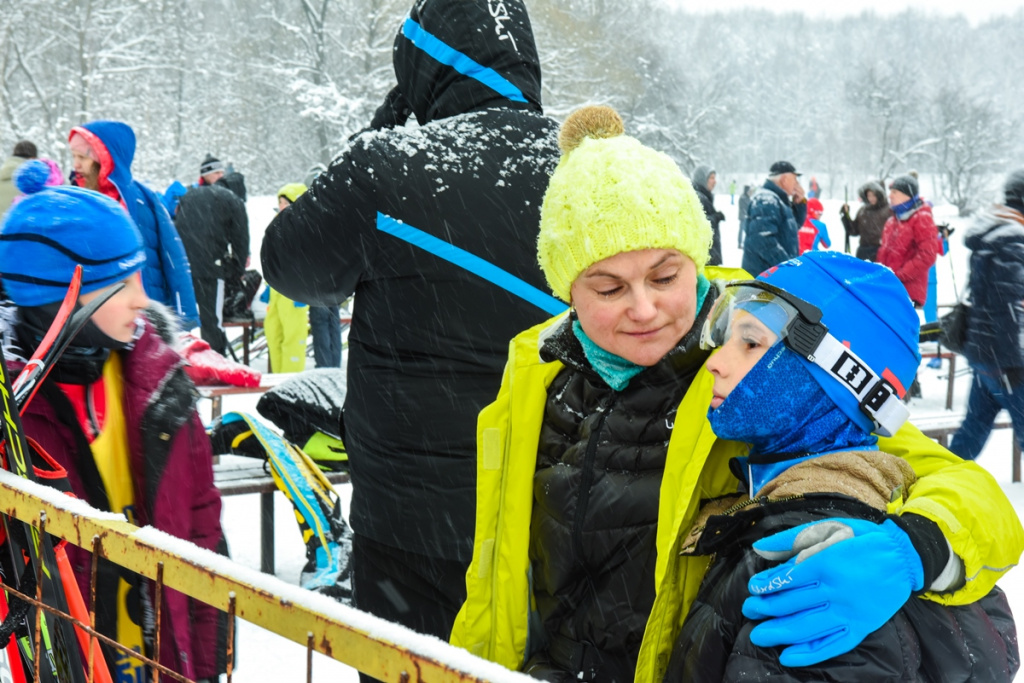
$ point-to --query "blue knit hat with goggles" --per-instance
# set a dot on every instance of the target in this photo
(51, 230)
(849, 321)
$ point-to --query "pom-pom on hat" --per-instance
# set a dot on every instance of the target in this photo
(865, 307)
(51, 230)
(610, 194)
(31, 176)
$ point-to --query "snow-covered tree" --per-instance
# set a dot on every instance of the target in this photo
(971, 135)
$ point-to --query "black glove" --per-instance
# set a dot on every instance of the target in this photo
(393, 112)
(720, 216)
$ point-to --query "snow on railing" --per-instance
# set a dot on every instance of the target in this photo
(379, 648)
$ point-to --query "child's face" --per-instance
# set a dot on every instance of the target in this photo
(116, 318)
(750, 339)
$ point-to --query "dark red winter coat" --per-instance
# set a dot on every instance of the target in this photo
(909, 248)
(174, 490)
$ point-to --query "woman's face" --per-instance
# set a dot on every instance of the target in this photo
(116, 318)
(750, 339)
(872, 199)
(637, 304)
(87, 168)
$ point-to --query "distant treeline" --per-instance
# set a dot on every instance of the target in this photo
(278, 85)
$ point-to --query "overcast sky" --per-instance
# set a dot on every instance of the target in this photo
(974, 10)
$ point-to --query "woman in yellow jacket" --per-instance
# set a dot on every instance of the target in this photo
(287, 321)
(594, 457)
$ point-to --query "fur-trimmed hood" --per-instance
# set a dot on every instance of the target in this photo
(876, 187)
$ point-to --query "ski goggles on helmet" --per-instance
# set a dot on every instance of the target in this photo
(797, 323)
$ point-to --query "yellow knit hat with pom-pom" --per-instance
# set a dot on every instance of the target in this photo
(611, 194)
(292, 191)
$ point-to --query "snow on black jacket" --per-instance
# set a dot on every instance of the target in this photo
(995, 331)
(429, 227)
(595, 514)
(210, 218)
(924, 641)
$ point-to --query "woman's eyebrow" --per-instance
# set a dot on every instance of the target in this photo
(659, 264)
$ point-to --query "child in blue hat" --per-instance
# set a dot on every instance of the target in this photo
(117, 411)
(814, 357)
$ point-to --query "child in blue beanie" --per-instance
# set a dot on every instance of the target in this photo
(814, 356)
(117, 412)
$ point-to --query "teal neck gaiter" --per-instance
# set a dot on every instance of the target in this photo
(615, 370)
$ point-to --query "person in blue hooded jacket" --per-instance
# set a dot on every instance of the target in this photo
(102, 153)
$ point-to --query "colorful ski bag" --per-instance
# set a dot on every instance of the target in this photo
(327, 537)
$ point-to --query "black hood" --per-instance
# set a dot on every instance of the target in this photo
(493, 34)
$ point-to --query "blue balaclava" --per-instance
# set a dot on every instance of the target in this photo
(788, 406)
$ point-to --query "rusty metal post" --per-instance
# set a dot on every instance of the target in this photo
(309, 657)
(159, 602)
(230, 655)
(37, 645)
(97, 546)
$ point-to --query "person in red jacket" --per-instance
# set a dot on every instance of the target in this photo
(813, 234)
(908, 245)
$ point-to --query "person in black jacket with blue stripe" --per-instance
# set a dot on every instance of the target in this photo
(434, 230)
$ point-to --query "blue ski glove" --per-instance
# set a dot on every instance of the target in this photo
(842, 579)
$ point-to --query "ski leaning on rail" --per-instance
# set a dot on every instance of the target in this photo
(33, 552)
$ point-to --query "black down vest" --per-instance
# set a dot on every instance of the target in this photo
(599, 469)
(924, 641)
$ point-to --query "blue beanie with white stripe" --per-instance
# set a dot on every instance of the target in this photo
(865, 307)
(51, 230)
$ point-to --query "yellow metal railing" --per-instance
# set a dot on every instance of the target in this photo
(376, 647)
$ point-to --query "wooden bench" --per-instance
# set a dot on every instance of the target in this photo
(249, 328)
(249, 332)
(942, 427)
(951, 357)
(235, 475)
(217, 392)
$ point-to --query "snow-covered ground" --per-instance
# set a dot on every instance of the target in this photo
(262, 656)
